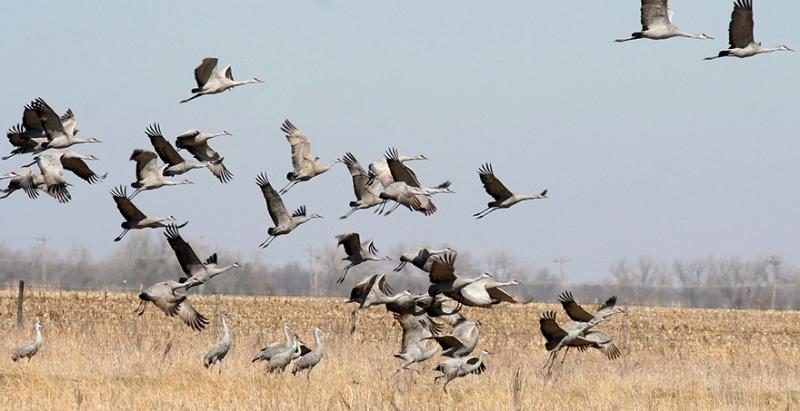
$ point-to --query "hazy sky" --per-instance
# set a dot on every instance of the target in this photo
(646, 149)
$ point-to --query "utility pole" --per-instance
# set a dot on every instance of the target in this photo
(313, 276)
(562, 276)
(775, 261)
(43, 259)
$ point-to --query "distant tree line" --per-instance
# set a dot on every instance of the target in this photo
(144, 259)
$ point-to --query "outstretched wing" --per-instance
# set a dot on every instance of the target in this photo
(51, 122)
(400, 172)
(491, 184)
(301, 146)
(163, 148)
(204, 152)
(81, 169)
(574, 311)
(654, 13)
(203, 72)
(360, 177)
(183, 251)
(191, 317)
(125, 205)
(550, 329)
(740, 31)
(351, 243)
(277, 211)
(443, 267)
(145, 163)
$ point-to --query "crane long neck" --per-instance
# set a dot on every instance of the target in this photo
(226, 334)
(286, 334)
(39, 338)
(317, 341)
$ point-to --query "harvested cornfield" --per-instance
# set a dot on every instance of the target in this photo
(99, 355)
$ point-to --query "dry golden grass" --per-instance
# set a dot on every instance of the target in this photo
(98, 355)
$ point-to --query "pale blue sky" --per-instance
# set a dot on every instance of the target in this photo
(646, 149)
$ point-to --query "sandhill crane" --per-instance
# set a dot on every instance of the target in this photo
(218, 352)
(267, 352)
(453, 368)
(406, 189)
(196, 142)
(657, 24)
(211, 81)
(170, 298)
(305, 166)
(357, 252)
(176, 164)
(414, 342)
(196, 272)
(462, 339)
(443, 278)
(134, 218)
(420, 257)
(368, 292)
(380, 169)
(27, 180)
(740, 34)
(60, 131)
(52, 170)
(310, 360)
(434, 306)
(503, 198)
(74, 162)
(195, 137)
(148, 175)
(367, 193)
(573, 335)
(484, 293)
(577, 313)
(281, 359)
(24, 143)
(30, 349)
(284, 222)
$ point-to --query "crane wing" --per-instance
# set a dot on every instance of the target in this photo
(145, 163)
(550, 328)
(381, 172)
(400, 171)
(68, 121)
(79, 167)
(491, 184)
(475, 294)
(186, 138)
(654, 13)
(183, 251)
(574, 311)
(351, 243)
(204, 70)
(413, 331)
(163, 148)
(500, 295)
(360, 178)
(125, 206)
(191, 317)
(30, 120)
(603, 343)
(443, 267)
(206, 153)
(277, 211)
(301, 146)
(51, 122)
(740, 31)
(229, 72)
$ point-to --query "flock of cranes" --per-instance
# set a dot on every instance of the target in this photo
(657, 25)
(431, 321)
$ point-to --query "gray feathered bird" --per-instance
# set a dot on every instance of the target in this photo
(30, 349)
(218, 352)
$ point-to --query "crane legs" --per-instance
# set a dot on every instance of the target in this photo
(401, 266)
(486, 212)
(267, 242)
(349, 213)
(380, 208)
(289, 186)
(191, 98)
(119, 237)
(138, 190)
(392, 209)
(344, 274)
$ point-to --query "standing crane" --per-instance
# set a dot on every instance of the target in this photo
(195, 271)
(30, 349)
(310, 359)
(211, 81)
(284, 222)
(367, 193)
(218, 352)
(304, 165)
(176, 164)
(740, 34)
(267, 352)
(169, 296)
(134, 218)
(357, 252)
(503, 198)
(657, 24)
(148, 175)
(60, 131)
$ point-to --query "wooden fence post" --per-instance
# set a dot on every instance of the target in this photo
(20, 303)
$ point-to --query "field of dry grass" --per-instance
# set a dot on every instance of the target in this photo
(98, 355)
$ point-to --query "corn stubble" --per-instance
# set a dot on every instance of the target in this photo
(99, 355)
